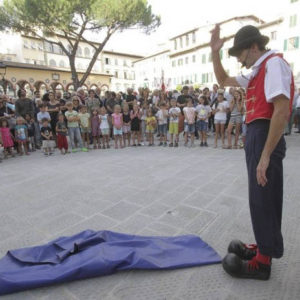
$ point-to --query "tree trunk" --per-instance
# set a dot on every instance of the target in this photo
(74, 74)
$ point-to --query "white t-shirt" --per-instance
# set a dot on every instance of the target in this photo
(190, 113)
(175, 111)
(277, 79)
(104, 121)
(221, 115)
(203, 111)
(162, 119)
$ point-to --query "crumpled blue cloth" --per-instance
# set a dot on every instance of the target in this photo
(90, 254)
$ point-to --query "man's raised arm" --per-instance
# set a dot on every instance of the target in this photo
(216, 44)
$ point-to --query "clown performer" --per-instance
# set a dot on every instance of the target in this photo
(270, 90)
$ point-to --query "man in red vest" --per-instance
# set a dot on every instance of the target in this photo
(270, 90)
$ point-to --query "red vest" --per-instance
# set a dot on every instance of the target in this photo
(257, 106)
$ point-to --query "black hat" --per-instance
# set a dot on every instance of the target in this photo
(245, 37)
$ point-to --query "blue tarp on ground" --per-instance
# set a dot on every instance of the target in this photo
(90, 254)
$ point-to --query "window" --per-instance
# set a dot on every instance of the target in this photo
(194, 58)
(33, 45)
(40, 46)
(175, 44)
(48, 47)
(125, 75)
(116, 73)
(293, 21)
(274, 35)
(187, 40)
(174, 63)
(52, 63)
(26, 44)
(56, 49)
(203, 58)
(116, 62)
(194, 37)
(125, 63)
(62, 64)
(291, 43)
(195, 78)
(209, 57)
(186, 60)
(79, 51)
(79, 66)
(107, 61)
(87, 52)
(180, 41)
(27, 61)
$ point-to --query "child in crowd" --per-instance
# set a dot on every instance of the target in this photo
(62, 131)
(143, 121)
(117, 122)
(43, 114)
(95, 124)
(21, 135)
(220, 113)
(73, 126)
(150, 126)
(174, 113)
(135, 116)
(104, 127)
(126, 124)
(85, 126)
(1, 148)
(47, 138)
(189, 122)
(31, 129)
(203, 111)
(162, 117)
(7, 139)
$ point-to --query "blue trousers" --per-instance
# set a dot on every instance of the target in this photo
(265, 202)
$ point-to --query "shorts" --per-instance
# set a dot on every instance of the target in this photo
(105, 131)
(126, 128)
(118, 131)
(162, 129)
(48, 144)
(150, 130)
(173, 128)
(202, 125)
(219, 122)
(189, 128)
(236, 119)
(85, 130)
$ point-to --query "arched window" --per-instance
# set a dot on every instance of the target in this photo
(87, 52)
(79, 51)
(62, 64)
(52, 63)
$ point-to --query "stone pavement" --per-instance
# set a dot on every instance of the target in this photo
(148, 191)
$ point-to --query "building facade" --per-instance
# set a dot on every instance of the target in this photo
(35, 64)
(188, 58)
(154, 70)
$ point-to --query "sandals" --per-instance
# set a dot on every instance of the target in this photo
(227, 147)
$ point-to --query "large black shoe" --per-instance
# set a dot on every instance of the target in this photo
(242, 250)
(239, 268)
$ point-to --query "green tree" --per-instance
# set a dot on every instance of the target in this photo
(66, 23)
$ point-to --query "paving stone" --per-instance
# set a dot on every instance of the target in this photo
(121, 211)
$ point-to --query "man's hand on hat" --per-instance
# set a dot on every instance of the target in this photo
(215, 42)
